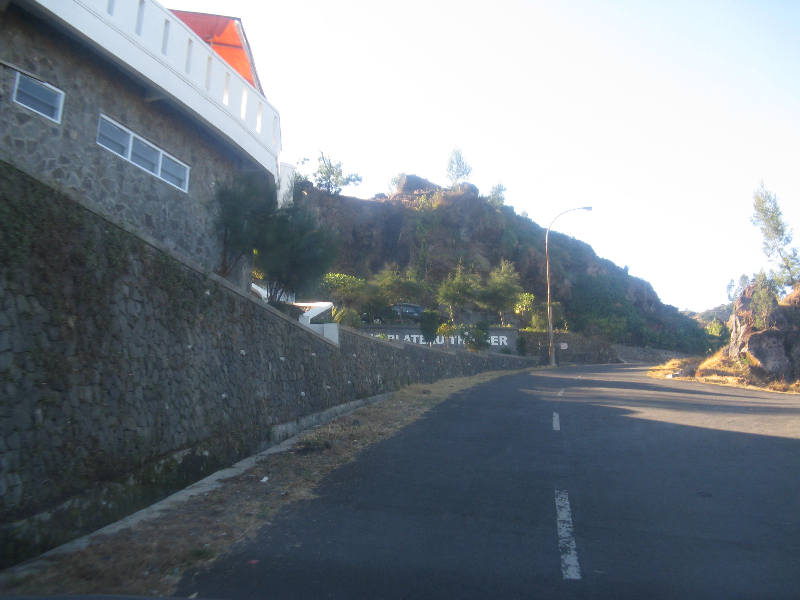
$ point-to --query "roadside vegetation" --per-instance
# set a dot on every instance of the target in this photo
(467, 256)
(721, 370)
(761, 341)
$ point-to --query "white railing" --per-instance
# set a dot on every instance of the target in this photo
(149, 41)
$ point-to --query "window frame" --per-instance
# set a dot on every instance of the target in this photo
(44, 84)
(129, 152)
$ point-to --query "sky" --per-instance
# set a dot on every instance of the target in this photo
(663, 116)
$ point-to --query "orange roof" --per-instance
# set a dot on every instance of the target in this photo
(226, 36)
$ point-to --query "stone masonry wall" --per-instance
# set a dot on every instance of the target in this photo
(646, 355)
(127, 371)
(66, 155)
(579, 349)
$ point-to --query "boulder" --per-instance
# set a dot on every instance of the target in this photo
(776, 350)
(793, 352)
(409, 184)
(467, 188)
(767, 350)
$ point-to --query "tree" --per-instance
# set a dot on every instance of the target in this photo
(343, 290)
(476, 337)
(735, 289)
(294, 253)
(457, 168)
(429, 324)
(458, 289)
(396, 287)
(768, 217)
(502, 289)
(246, 206)
(497, 197)
(329, 176)
(764, 303)
(539, 316)
(524, 304)
(717, 329)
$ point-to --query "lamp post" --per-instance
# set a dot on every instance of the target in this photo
(547, 258)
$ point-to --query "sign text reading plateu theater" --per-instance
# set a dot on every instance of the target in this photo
(499, 337)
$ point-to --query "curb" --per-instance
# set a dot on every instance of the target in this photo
(285, 435)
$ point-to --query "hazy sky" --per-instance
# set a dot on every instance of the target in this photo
(663, 116)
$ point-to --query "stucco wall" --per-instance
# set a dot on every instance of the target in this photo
(499, 337)
(127, 371)
(66, 155)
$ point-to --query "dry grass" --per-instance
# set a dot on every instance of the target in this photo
(720, 369)
(675, 367)
(150, 558)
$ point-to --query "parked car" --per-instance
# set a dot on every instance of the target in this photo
(410, 313)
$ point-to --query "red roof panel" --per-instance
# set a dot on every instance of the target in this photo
(226, 36)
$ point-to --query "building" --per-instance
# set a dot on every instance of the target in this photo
(134, 110)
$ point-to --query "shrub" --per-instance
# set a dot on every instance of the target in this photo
(522, 346)
(429, 324)
(476, 337)
(347, 317)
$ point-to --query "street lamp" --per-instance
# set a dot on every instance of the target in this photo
(547, 258)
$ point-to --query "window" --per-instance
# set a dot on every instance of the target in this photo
(143, 154)
(188, 68)
(140, 18)
(243, 111)
(208, 72)
(165, 38)
(39, 97)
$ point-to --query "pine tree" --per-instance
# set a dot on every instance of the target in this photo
(768, 217)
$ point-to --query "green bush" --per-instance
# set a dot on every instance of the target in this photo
(429, 322)
(522, 346)
(347, 317)
(476, 337)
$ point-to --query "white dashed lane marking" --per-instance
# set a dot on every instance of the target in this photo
(556, 422)
(570, 568)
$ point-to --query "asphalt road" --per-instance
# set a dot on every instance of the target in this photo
(585, 482)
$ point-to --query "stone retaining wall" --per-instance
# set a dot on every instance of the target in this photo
(646, 355)
(127, 371)
(570, 348)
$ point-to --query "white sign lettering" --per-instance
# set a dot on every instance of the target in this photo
(440, 340)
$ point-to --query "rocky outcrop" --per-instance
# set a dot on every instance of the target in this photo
(409, 184)
(774, 351)
(432, 230)
(768, 348)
